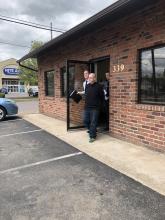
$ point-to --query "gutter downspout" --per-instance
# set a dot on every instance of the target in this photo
(29, 68)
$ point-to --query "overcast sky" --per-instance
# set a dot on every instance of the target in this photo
(63, 14)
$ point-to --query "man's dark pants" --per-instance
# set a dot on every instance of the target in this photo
(91, 120)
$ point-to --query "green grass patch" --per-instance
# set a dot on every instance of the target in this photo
(2, 95)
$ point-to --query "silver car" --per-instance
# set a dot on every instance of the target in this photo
(7, 107)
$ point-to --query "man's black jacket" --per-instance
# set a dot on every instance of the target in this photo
(94, 96)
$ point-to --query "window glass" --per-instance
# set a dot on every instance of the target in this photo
(49, 83)
(152, 76)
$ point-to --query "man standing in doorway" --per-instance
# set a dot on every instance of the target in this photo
(86, 81)
(106, 100)
(94, 96)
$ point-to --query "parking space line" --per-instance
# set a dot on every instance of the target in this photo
(40, 162)
(19, 119)
(18, 133)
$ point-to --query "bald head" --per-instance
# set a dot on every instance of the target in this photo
(92, 78)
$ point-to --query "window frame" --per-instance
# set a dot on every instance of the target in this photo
(62, 83)
(46, 83)
(140, 51)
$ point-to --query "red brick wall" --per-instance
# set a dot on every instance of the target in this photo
(137, 123)
(52, 106)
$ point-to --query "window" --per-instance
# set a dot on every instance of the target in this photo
(152, 76)
(64, 80)
(49, 83)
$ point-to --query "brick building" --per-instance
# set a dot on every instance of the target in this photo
(128, 40)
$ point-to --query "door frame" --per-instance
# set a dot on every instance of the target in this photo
(90, 62)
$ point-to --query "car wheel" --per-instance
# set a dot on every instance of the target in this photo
(2, 113)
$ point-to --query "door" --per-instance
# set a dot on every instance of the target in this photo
(75, 79)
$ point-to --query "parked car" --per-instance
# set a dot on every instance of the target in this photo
(7, 107)
(33, 92)
(4, 90)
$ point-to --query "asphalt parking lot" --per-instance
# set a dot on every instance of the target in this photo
(42, 178)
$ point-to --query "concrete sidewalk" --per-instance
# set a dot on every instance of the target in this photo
(142, 164)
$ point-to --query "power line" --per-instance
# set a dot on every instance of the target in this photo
(30, 22)
(18, 45)
(17, 22)
(4, 19)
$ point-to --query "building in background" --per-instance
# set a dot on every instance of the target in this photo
(9, 77)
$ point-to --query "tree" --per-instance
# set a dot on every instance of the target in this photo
(29, 77)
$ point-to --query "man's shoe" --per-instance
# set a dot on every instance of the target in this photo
(91, 140)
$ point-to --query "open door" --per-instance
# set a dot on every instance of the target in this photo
(75, 79)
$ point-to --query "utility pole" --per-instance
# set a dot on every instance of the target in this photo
(51, 31)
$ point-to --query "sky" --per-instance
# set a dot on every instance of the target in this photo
(64, 14)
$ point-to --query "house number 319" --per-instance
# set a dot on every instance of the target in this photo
(118, 68)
